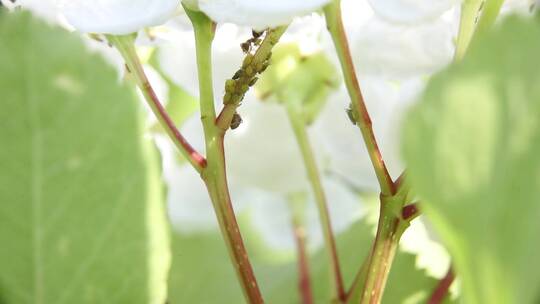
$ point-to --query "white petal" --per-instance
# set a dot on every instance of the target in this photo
(44, 8)
(411, 11)
(390, 50)
(342, 142)
(344, 206)
(430, 254)
(117, 16)
(271, 215)
(178, 58)
(189, 206)
(263, 152)
(258, 14)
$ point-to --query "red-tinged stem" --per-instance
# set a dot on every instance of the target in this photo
(389, 231)
(441, 291)
(304, 279)
(214, 174)
(125, 44)
(300, 132)
(337, 31)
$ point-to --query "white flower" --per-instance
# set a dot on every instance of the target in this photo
(177, 57)
(430, 253)
(390, 50)
(255, 13)
(190, 208)
(342, 142)
(262, 153)
(43, 8)
(411, 11)
(117, 17)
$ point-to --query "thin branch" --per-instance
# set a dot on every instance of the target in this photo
(125, 44)
(360, 112)
(310, 164)
(214, 174)
(441, 291)
(304, 280)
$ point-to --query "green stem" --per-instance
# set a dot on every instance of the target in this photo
(389, 231)
(467, 26)
(304, 278)
(126, 47)
(489, 14)
(214, 174)
(335, 27)
(310, 164)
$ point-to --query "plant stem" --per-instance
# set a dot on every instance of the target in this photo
(214, 175)
(310, 164)
(335, 27)
(126, 47)
(490, 12)
(304, 280)
(389, 231)
(355, 292)
(467, 26)
(441, 291)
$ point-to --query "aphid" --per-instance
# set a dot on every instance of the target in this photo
(236, 121)
(238, 74)
(246, 46)
(264, 66)
(350, 114)
(256, 34)
(253, 81)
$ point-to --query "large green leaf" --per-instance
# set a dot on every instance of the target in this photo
(81, 212)
(202, 273)
(473, 150)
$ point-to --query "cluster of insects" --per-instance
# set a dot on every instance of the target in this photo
(246, 76)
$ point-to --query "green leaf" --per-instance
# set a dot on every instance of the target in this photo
(81, 213)
(202, 273)
(473, 150)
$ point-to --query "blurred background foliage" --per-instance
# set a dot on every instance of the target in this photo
(82, 204)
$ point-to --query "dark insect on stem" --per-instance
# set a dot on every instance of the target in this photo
(238, 74)
(246, 46)
(256, 34)
(253, 81)
(350, 114)
(236, 121)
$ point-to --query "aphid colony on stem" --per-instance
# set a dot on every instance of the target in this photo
(246, 76)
